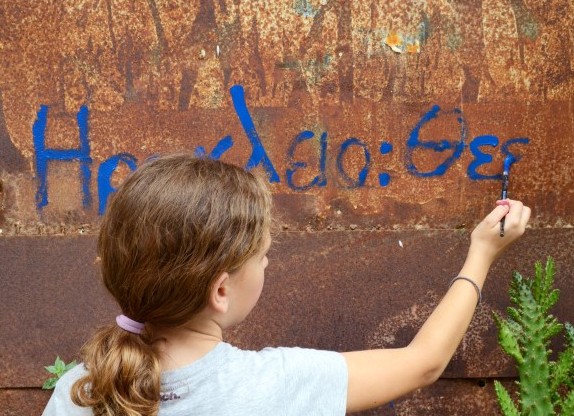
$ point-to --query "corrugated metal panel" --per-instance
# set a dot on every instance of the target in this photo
(52, 300)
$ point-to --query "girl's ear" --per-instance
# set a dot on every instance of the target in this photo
(219, 297)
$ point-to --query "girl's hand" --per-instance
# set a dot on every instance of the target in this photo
(486, 240)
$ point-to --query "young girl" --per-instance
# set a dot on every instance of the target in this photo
(183, 249)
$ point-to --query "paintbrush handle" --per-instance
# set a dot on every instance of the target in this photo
(503, 196)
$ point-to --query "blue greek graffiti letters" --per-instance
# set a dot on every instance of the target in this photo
(320, 180)
(105, 172)
(44, 155)
(414, 143)
(258, 153)
(360, 181)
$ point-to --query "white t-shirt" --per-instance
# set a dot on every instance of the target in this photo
(230, 381)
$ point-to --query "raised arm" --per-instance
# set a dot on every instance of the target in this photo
(379, 376)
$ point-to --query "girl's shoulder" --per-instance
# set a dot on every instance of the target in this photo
(60, 402)
(73, 374)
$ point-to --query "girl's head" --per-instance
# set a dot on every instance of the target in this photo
(171, 229)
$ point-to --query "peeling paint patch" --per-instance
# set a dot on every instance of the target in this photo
(413, 47)
(401, 44)
(304, 8)
(395, 41)
(425, 28)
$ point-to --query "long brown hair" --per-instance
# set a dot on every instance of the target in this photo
(170, 230)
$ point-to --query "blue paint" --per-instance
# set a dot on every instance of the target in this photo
(386, 148)
(320, 180)
(350, 182)
(105, 172)
(385, 178)
(508, 161)
(511, 158)
(44, 156)
(258, 153)
(218, 150)
(414, 143)
(481, 158)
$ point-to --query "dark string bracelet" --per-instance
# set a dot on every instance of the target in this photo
(478, 292)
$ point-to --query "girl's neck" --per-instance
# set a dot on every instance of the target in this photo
(181, 346)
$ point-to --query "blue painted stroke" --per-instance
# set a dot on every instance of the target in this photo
(44, 156)
(218, 150)
(258, 153)
(385, 178)
(414, 143)
(320, 180)
(511, 158)
(360, 181)
(105, 172)
(481, 158)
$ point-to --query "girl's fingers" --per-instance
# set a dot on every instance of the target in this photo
(526, 211)
(514, 211)
(517, 216)
(497, 214)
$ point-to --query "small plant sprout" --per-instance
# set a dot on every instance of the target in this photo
(546, 387)
(58, 370)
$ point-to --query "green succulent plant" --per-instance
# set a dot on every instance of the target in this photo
(546, 387)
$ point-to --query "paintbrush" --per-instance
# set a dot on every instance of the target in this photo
(504, 194)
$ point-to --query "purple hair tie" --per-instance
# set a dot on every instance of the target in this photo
(129, 325)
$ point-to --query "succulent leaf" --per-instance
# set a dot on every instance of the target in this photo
(506, 404)
(568, 404)
(507, 340)
(562, 369)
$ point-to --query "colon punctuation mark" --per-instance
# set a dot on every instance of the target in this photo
(385, 149)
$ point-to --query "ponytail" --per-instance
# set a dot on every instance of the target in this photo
(123, 375)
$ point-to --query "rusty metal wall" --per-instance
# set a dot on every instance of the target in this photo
(381, 126)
